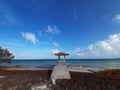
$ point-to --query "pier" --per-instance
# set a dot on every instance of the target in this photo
(60, 70)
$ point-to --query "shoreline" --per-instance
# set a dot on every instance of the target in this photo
(46, 63)
(74, 68)
(29, 79)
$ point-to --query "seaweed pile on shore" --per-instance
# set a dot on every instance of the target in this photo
(28, 79)
(23, 79)
(105, 80)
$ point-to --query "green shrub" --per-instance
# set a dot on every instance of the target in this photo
(5, 56)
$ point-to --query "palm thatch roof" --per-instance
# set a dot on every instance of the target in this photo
(61, 54)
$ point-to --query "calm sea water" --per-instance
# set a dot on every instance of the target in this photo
(49, 63)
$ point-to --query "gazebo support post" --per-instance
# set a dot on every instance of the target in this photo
(64, 58)
(58, 58)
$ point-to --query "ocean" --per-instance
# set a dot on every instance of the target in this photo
(36, 64)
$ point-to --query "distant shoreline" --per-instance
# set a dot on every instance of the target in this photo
(69, 59)
(47, 64)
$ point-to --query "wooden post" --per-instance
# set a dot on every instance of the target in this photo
(64, 58)
(58, 58)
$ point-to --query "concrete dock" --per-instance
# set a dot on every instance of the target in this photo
(60, 71)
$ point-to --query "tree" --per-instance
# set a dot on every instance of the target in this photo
(5, 56)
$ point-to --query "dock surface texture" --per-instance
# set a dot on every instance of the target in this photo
(60, 71)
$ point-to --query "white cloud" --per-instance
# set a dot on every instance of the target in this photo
(78, 52)
(30, 36)
(111, 44)
(52, 30)
(105, 45)
(117, 18)
(11, 18)
(7, 15)
(40, 33)
(91, 48)
(109, 48)
(55, 44)
(54, 51)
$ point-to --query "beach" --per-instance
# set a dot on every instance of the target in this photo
(36, 75)
(40, 79)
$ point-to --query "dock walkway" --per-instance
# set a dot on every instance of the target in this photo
(60, 71)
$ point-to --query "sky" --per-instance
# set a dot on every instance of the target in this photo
(36, 29)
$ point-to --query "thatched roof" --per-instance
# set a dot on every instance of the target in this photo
(61, 53)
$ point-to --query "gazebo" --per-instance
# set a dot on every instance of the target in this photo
(61, 54)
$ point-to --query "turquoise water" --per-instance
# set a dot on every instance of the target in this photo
(49, 63)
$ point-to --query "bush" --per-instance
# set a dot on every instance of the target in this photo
(5, 56)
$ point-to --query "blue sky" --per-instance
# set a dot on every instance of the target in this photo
(36, 29)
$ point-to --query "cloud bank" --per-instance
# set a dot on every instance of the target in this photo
(109, 48)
